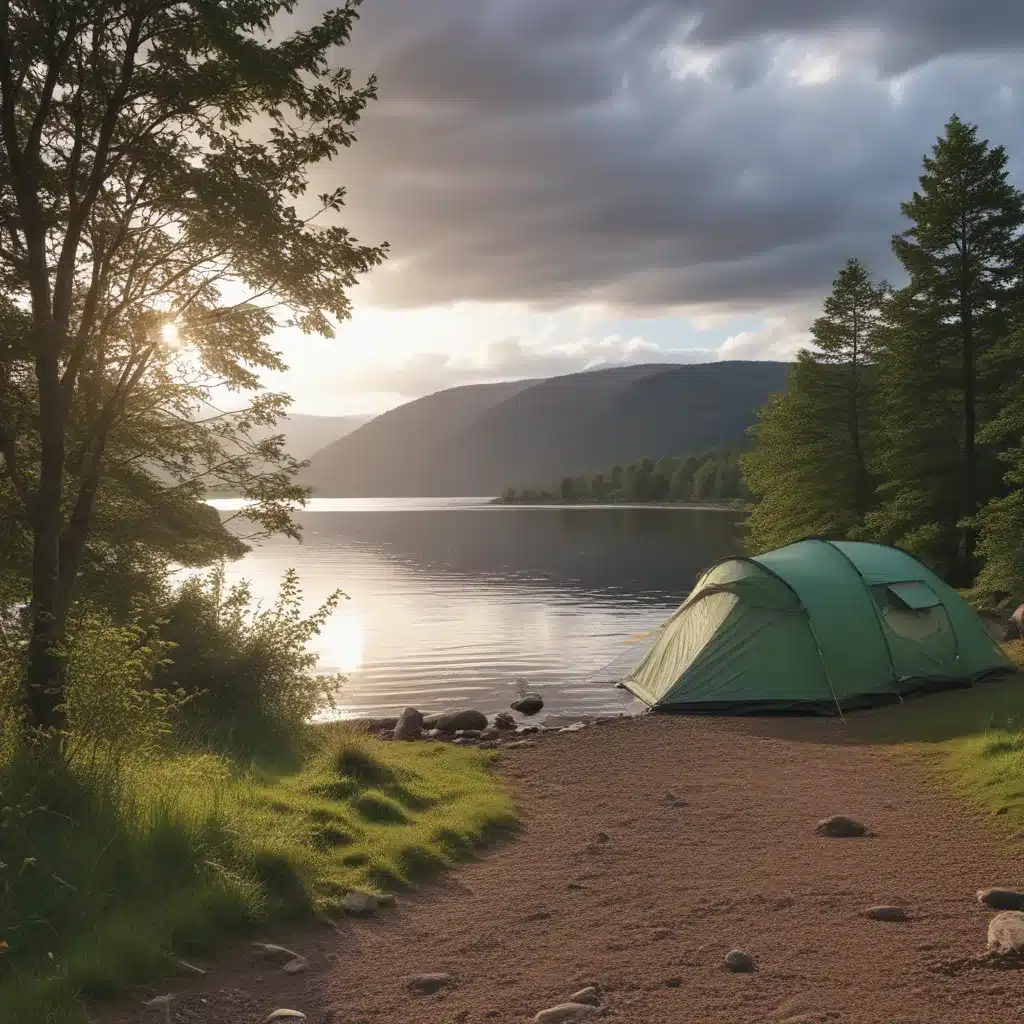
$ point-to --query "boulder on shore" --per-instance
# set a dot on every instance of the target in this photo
(409, 725)
(457, 721)
(528, 704)
(1006, 932)
(504, 721)
(373, 724)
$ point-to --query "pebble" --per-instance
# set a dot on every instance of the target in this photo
(425, 984)
(886, 914)
(566, 1012)
(1001, 899)
(359, 903)
(840, 827)
(739, 962)
(297, 966)
(1006, 932)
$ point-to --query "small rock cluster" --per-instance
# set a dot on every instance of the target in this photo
(468, 727)
(581, 1005)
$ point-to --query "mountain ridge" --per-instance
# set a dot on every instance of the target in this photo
(479, 439)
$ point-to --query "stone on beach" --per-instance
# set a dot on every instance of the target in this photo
(1001, 899)
(457, 721)
(409, 726)
(838, 826)
(425, 984)
(566, 1012)
(528, 704)
(1006, 932)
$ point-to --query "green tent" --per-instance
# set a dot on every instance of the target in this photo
(817, 625)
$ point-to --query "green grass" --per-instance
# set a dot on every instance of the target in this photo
(109, 885)
(974, 738)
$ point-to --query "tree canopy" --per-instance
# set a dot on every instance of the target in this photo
(155, 230)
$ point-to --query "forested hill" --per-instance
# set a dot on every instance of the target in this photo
(480, 440)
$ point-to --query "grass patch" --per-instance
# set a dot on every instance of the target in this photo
(104, 887)
(974, 737)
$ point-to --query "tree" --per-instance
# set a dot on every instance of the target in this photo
(155, 243)
(939, 382)
(811, 467)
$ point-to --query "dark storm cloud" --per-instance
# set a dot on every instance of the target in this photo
(554, 152)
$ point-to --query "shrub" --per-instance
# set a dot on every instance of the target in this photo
(247, 671)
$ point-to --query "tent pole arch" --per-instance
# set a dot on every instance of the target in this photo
(800, 604)
(867, 590)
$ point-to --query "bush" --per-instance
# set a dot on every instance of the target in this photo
(248, 673)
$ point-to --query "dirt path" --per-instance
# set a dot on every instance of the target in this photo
(611, 883)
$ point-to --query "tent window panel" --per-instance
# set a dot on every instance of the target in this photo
(915, 595)
(920, 636)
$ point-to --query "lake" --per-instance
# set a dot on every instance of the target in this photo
(457, 602)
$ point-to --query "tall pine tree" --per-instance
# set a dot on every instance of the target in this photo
(938, 380)
(811, 467)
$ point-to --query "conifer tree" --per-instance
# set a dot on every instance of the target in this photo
(938, 378)
(810, 469)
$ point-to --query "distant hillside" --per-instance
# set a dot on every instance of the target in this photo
(305, 435)
(479, 440)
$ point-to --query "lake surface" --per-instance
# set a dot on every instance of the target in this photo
(456, 602)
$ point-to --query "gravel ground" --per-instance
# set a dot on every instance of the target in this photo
(649, 850)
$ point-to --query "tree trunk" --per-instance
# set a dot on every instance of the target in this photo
(44, 672)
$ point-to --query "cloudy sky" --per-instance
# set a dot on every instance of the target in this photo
(571, 183)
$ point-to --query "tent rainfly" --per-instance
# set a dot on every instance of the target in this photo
(815, 626)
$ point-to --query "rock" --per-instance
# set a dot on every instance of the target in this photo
(886, 913)
(373, 724)
(739, 962)
(528, 704)
(504, 721)
(386, 899)
(297, 966)
(409, 725)
(488, 745)
(456, 721)
(461, 741)
(425, 984)
(277, 953)
(674, 982)
(284, 1015)
(1006, 932)
(492, 732)
(529, 730)
(840, 827)
(1001, 899)
(161, 1004)
(589, 996)
(519, 744)
(471, 734)
(566, 1012)
(359, 903)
